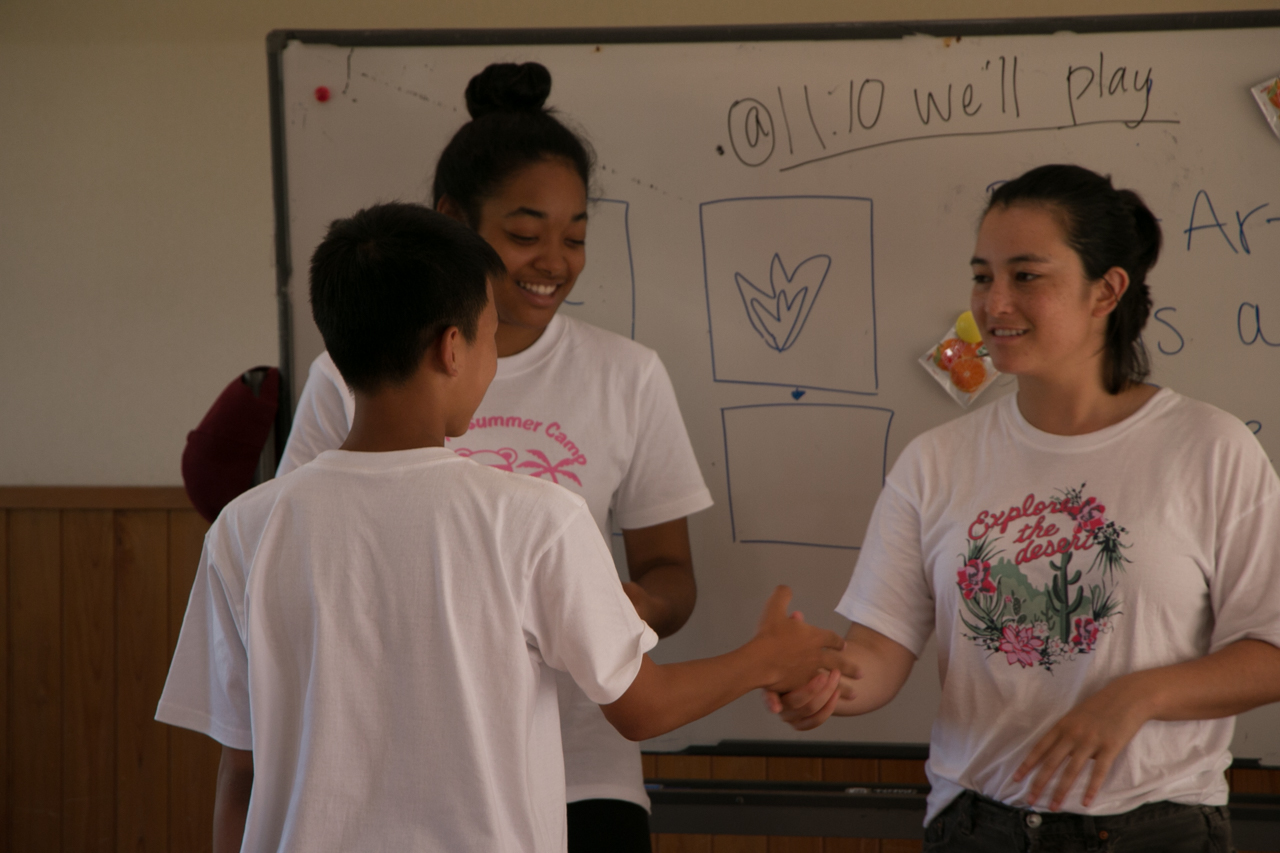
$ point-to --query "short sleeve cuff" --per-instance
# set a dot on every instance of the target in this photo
(912, 639)
(668, 511)
(198, 721)
(610, 690)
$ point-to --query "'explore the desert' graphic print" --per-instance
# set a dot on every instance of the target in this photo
(1038, 580)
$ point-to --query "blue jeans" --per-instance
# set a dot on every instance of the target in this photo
(974, 824)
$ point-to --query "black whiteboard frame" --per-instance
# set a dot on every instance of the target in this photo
(278, 40)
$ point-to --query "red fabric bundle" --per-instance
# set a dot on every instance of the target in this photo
(222, 453)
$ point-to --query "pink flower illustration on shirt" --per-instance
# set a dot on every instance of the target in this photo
(1034, 617)
(1088, 515)
(504, 458)
(1086, 635)
(1021, 645)
(975, 578)
(544, 467)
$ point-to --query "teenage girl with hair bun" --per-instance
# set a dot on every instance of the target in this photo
(1098, 556)
(571, 403)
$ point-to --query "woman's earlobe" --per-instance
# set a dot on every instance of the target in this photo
(1115, 282)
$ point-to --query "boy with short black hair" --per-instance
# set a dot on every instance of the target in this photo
(373, 636)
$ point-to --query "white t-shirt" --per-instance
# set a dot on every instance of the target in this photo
(594, 412)
(381, 630)
(1169, 527)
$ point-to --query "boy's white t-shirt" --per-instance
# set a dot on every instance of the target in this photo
(587, 409)
(1169, 525)
(381, 629)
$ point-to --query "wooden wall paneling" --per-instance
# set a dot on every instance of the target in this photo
(142, 645)
(905, 771)
(89, 681)
(5, 628)
(909, 772)
(193, 757)
(683, 767)
(684, 844)
(853, 771)
(739, 767)
(851, 845)
(1249, 780)
(794, 770)
(35, 626)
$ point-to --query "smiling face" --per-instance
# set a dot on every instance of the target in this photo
(1039, 316)
(537, 222)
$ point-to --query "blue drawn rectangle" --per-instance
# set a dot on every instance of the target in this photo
(605, 294)
(806, 473)
(790, 284)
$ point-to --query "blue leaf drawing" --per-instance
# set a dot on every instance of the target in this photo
(777, 317)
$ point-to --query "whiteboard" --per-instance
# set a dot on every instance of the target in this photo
(786, 216)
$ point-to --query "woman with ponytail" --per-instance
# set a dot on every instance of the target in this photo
(1098, 557)
(583, 407)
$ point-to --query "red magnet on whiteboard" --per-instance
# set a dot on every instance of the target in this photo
(322, 93)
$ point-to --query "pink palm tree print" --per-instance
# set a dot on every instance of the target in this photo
(544, 467)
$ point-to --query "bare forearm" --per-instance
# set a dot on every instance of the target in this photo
(874, 670)
(660, 564)
(1235, 679)
(231, 800)
(666, 697)
(671, 593)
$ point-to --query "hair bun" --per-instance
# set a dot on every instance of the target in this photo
(505, 86)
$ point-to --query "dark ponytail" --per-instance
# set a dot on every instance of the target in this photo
(510, 129)
(1107, 228)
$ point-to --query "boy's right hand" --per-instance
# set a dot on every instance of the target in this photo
(792, 651)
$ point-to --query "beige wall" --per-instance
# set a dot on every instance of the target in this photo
(136, 272)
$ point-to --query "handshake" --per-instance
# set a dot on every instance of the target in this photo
(788, 658)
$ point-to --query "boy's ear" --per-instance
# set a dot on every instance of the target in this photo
(447, 350)
(451, 209)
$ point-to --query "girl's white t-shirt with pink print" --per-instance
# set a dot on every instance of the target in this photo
(594, 412)
(1050, 565)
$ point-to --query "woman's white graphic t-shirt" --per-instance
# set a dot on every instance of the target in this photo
(1051, 565)
(587, 409)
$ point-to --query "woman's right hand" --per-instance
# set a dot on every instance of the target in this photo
(873, 669)
(809, 706)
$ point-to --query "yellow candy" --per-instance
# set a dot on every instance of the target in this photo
(967, 328)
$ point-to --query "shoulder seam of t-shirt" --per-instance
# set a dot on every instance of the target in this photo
(570, 518)
(1273, 496)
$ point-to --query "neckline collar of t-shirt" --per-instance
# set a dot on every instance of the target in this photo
(348, 460)
(1042, 440)
(535, 354)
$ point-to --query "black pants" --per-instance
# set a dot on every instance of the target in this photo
(975, 824)
(608, 825)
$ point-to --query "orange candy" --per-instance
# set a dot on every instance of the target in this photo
(949, 351)
(968, 373)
